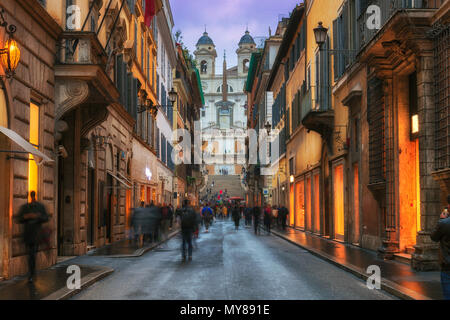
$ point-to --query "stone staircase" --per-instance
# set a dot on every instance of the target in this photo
(231, 183)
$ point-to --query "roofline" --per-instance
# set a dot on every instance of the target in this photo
(294, 21)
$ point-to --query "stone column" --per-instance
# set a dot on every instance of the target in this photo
(390, 236)
(426, 252)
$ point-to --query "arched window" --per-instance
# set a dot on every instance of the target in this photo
(245, 65)
(203, 66)
(230, 88)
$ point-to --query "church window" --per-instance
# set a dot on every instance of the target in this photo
(245, 64)
(203, 66)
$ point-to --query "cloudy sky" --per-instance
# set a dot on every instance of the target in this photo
(226, 21)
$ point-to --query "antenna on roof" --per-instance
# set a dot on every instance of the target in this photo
(205, 27)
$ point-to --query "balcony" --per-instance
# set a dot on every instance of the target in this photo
(316, 116)
(388, 9)
(82, 76)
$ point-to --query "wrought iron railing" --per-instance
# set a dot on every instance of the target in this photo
(388, 8)
(316, 99)
(81, 48)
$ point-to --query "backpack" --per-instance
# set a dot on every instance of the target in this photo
(187, 219)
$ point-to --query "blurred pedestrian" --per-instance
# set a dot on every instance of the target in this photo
(256, 218)
(248, 216)
(236, 214)
(442, 234)
(225, 212)
(32, 215)
(283, 213)
(267, 217)
(170, 216)
(137, 220)
(188, 225)
(207, 216)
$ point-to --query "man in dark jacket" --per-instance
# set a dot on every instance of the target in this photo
(188, 226)
(32, 215)
(256, 218)
(442, 234)
(283, 213)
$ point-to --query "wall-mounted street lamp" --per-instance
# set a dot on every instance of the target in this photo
(321, 34)
(291, 179)
(10, 54)
(153, 109)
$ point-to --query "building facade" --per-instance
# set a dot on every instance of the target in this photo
(224, 112)
(27, 113)
(365, 154)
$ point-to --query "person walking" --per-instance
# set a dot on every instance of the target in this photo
(236, 214)
(137, 224)
(224, 212)
(188, 225)
(248, 216)
(441, 234)
(207, 214)
(32, 215)
(283, 212)
(256, 218)
(170, 216)
(267, 217)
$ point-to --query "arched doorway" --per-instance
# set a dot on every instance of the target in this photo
(4, 181)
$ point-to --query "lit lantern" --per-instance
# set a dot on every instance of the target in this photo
(291, 179)
(10, 57)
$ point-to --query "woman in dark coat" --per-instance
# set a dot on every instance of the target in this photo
(236, 216)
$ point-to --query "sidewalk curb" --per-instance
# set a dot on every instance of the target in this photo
(142, 251)
(87, 281)
(386, 285)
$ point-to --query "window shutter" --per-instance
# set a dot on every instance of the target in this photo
(134, 99)
(345, 42)
(120, 78)
(128, 96)
(336, 47)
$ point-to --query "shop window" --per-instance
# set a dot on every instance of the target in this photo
(34, 140)
(338, 187)
(316, 203)
(300, 204)
(308, 203)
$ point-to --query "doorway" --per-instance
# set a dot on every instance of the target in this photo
(109, 206)
(91, 209)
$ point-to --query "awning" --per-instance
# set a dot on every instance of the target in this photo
(25, 145)
(118, 179)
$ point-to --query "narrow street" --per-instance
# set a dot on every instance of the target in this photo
(226, 265)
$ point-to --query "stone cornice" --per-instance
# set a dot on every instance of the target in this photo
(44, 19)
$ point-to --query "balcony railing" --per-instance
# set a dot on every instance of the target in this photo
(316, 100)
(81, 48)
(388, 9)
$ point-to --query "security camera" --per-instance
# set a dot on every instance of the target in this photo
(62, 152)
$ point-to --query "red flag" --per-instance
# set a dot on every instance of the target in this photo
(150, 11)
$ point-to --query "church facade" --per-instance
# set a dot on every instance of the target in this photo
(223, 117)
